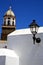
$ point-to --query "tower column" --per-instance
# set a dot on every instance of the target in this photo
(6, 21)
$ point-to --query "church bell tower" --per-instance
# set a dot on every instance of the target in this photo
(8, 24)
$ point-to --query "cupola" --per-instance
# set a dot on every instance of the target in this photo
(9, 13)
(9, 17)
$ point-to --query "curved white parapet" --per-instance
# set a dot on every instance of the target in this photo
(25, 31)
(21, 41)
(8, 57)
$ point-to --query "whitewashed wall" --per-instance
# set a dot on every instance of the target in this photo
(2, 60)
(11, 60)
(8, 57)
(22, 44)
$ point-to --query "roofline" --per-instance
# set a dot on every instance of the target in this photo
(24, 31)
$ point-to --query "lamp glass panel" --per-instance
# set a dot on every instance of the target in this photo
(34, 30)
(37, 29)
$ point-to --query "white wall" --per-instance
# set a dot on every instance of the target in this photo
(8, 57)
(12, 61)
(2, 60)
(6, 60)
(29, 54)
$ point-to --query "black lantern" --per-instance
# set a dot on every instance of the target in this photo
(34, 29)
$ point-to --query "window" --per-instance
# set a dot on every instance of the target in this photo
(8, 18)
(13, 23)
(8, 22)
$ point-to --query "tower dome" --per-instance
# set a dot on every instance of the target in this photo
(10, 12)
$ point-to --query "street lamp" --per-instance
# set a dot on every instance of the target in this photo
(34, 29)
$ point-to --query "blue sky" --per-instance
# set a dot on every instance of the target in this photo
(25, 11)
